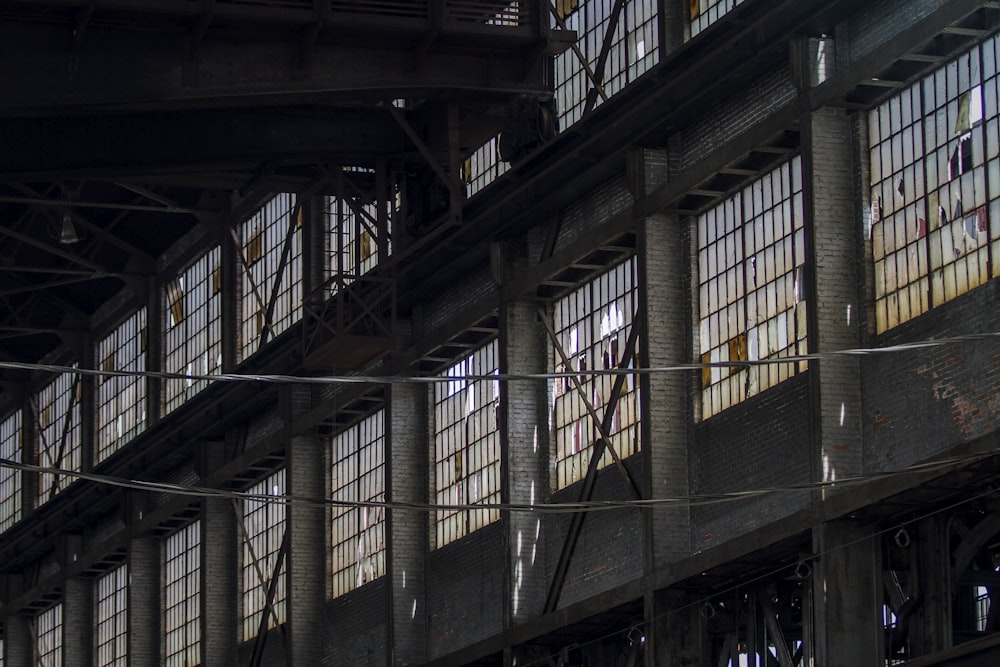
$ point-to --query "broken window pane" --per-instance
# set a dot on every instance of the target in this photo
(121, 399)
(934, 231)
(467, 445)
(761, 313)
(358, 531)
(592, 325)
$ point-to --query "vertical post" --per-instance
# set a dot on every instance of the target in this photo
(143, 601)
(307, 565)
(846, 595)
(78, 612)
(154, 352)
(315, 244)
(525, 448)
(18, 642)
(931, 628)
(231, 299)
(407, 530)
(675, 631)
(219, 573)
(664, 288)
(88, 404)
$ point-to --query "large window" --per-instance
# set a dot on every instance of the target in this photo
(358, 458)
(592, 326)
(48, 637)
(122, 398)
(634, 49)
(193, 338)
(706, 12)
(353, 238)
(272, 272)
(467, 444)
(57, 411)
(483, 167)
(112, 618)
(751, 258)
(935, 174)
(182, 597)
(10, 478)
(263, 525)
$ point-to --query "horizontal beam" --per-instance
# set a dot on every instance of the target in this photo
(113, 145)
(117, 68)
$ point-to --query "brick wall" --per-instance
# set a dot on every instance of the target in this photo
(465, 590)
(922, 402)
(761, 442)
(356, 627)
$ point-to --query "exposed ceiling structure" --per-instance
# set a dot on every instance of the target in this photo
(127, 124)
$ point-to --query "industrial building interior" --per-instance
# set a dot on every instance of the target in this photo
(568, 333)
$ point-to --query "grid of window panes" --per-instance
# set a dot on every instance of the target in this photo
(484, 166)
(467, 444)
(935, 177)
(182, 597)
(112, 618)
(751, 257)
(10, 478)
(58, 415)
(266, 240)
(192, 317)
(592, 325)
(121, 399)
(633, 51)
(358, 534)
(48, 637)
(706, 12)
(981, 600)
(353, 238)
(264, 523)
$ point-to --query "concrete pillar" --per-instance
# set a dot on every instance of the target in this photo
(406, 530)
(17, 641)
(832, 293)
(525, 446)
(846, 596)
(144, 601)
(307, 566)
(219, 574)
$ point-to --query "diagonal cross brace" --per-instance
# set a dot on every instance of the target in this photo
(590, 479)
(602, 59)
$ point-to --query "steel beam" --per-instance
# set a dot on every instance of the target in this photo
(120, 144)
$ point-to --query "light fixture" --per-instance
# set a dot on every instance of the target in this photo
(67, 233)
